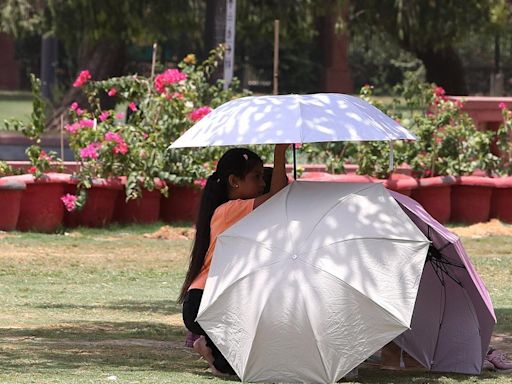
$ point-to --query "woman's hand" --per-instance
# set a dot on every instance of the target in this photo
(279, 179)
(281, 148)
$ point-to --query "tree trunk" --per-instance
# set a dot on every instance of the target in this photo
(103, 60)
(215, 31)
(444, 68)
(334, 48)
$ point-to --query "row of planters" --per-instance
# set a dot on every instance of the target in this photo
(49, 203)
(461, 199)
(132, 148)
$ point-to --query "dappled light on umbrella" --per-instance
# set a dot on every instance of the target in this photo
(300, 294)
(292, 119)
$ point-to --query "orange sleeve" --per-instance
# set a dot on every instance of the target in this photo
(224, 217)
(235, 210)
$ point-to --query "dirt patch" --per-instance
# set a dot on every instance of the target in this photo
(491, 228)
(503, 342)
(156, 344)
(171, 233)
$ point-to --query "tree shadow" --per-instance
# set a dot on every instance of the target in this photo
(164, 307)
(131, 345)
(504, 317)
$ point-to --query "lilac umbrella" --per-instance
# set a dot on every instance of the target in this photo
(453, 317)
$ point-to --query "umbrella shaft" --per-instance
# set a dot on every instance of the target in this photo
(294, 163)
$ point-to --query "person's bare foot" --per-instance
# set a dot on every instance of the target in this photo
(201, 348)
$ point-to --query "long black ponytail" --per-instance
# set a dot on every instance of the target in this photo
(238, 162)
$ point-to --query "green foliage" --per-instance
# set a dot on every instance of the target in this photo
(448, 141)
(7, 170)
(20, 17)
(504, 141)
(161, 109)
(41, 161)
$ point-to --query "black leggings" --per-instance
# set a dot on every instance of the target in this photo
(191, 304)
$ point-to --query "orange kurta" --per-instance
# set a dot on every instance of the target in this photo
(224, 217)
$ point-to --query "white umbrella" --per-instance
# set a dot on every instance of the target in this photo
(293, 119)
(299, 294)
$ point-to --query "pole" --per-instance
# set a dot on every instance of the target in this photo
(276, 57)
(153, 59)
(62, 137)
(229, 38)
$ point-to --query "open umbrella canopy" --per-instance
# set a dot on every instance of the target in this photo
(278, 119)
(313, 282)
(453, 319)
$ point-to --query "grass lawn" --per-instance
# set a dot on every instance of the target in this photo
(14, 107)
(94, 306)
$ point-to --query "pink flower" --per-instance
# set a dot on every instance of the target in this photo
(86, 123)
(459, 104)
(168, 77)
(74, 106)
(82, 79)
(132, 106)
(199, 113)
(104, 115)
(120, 115)
(44, 156)
(79, 111)
(174, 95)
(502, 106)
(121, 148)
(112, 91)
(72, 128)
(32, 170)
(111, 136)
(200, 183)
(145, 135)
(91, 151)
(439, 91)
(69, 201)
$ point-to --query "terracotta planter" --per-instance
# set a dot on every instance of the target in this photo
(315, 176)
(181, 204)
(401, 183)
(41, 209)
(99, 206)
(434, 194)
(501, 199)
(10, 201)
(351, 178)
(471, 199)
(144, 210)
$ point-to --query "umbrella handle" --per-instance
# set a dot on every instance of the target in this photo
(294, 163)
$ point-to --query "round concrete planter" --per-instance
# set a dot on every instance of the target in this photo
(11, 192)
(181, 204)
(501, 199)
(41, 209)
(434, 194)
(98, 209)
(471, 199)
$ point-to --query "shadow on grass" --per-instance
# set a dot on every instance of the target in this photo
(141, 346)
(504, 316)
(377, 375)
(100, 330)
(164, 307)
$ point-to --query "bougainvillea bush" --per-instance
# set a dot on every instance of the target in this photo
(448, 141)
(135, 144)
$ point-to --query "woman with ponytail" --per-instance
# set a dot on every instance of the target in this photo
(231, 192)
